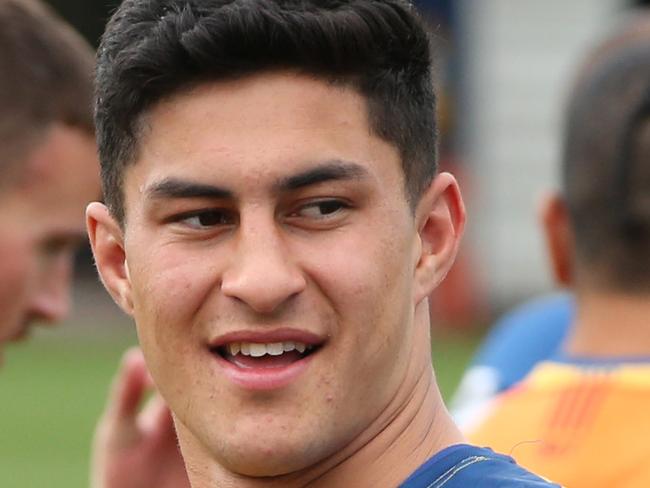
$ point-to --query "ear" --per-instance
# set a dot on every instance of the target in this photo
(107, 242)
(440, 219)
(554, 217)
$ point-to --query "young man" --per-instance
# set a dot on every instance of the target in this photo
(48, 162)
(274, 224)
(581, 418)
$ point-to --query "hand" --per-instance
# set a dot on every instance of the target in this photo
(136, 448)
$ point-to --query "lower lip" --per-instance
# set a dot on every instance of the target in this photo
(263, 379)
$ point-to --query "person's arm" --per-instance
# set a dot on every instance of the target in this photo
(133, 447)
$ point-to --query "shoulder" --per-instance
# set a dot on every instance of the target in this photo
(527, 335)
(464, 465)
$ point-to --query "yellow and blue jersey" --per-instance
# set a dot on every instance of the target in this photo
(581, 423)
(530, 333)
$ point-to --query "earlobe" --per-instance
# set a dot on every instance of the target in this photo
(107, 242)
(440, 217)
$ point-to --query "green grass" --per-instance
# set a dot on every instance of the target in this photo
(451, 353)
(51, 394)
(52, 390)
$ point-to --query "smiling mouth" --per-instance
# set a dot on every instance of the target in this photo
(250, 355)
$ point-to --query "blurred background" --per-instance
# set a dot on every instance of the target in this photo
(504, 68)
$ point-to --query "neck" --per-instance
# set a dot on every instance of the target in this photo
(413, 427)
(420, 430)
(610, 325)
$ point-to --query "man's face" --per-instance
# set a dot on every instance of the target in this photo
(41, 225)
(270, 255)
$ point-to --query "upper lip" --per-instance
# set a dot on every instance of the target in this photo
(268, 337)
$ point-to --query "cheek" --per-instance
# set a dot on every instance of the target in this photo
(369, 289)
(167, 292)
(368, 282)
(363, 269)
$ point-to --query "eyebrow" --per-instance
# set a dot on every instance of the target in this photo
(328, 171)
(331, 170)
(178, 188)
(71, 237)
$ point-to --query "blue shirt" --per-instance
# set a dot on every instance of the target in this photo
(530, 333)
(465, 466)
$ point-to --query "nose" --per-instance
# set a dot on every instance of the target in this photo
(51, 299)
(262, 273)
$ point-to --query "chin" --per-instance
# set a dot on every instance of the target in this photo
(268, 457)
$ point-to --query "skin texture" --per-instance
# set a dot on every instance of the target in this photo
(343, 258)
(41, 226)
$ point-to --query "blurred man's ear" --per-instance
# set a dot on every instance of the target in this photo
(440, 220)
(554, 218)
(107, 242)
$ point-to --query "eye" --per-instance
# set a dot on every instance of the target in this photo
(56, 245)
(206, 219)
(322, 209)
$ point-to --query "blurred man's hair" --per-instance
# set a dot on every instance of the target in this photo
(45, 77)
(153, 49)
(606, 166)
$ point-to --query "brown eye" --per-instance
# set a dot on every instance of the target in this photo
(207, 219)
(322, 209)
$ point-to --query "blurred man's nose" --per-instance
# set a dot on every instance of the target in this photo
(262, 273)
(51, 301)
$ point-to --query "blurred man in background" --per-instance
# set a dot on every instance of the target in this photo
(581, 418)
(48, 173)
(48, 165)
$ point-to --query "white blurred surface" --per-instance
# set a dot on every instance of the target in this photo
(520, 59)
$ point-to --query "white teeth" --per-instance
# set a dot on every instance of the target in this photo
(274, 349)
(257, 350)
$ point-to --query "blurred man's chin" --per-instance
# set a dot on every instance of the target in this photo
(20, 334)
(16, 335)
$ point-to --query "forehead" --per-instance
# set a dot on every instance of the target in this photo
(261, 126)
(59, 177)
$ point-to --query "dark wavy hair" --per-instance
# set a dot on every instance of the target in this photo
(153, 49)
